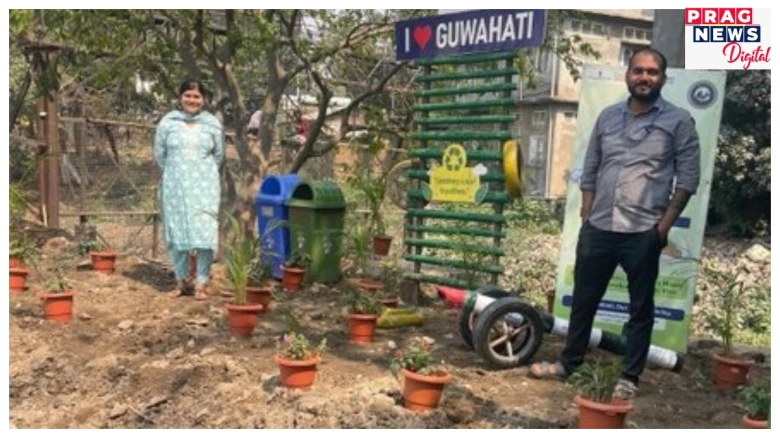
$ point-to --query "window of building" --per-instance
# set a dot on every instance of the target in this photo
(539, 118)
(588, 27)
(627, 50)
(570, 114)
(635, 33)
(543, 60)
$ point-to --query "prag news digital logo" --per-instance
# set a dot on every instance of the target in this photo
(731, 27)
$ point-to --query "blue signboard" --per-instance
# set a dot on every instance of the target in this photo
(489, 30)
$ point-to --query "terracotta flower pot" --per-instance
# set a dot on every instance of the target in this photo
(297, 374)
(242, 318)
(422, 393)
(58, 306)
(370, 286)
(382, 245)
(103, 261)
(749, 423)
(596, 415)
(14, 262)
(292, 278)
(389, 302)
(259, 295)
(730, 372)
(361, 327)
(17, 278)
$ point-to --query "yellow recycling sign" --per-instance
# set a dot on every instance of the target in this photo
(453, 182)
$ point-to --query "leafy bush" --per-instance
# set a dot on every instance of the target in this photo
(415, 357)
(361, 304)
(740, 200)
(296, 346)
(535, 216)
(757, 401)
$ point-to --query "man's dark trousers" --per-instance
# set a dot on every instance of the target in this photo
(598, 254)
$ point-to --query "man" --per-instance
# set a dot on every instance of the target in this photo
(636, 149)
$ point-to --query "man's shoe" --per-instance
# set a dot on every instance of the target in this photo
(624, 392)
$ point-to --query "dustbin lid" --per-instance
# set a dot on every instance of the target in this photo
(322, 194)
(275, 189)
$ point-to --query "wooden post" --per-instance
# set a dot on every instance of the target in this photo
(40, 137)
(81, 150)
(53, 180)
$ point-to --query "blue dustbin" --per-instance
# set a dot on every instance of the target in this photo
(274, 191)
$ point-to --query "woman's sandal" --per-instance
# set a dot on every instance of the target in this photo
(183, 288)
(201, 294)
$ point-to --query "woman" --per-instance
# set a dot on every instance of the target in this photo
(189, 148)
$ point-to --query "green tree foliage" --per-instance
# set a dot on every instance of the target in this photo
(740, 199)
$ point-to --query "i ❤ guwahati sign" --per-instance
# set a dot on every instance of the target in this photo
(488, 30)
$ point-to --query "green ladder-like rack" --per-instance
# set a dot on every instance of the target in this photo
(457, 121)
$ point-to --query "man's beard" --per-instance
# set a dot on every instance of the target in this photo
(654, 94)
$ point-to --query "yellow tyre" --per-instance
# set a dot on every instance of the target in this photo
(513, 168)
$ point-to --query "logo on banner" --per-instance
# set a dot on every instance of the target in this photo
(702, 94)
(728, 38)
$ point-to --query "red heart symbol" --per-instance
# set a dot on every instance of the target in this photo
(421, 36)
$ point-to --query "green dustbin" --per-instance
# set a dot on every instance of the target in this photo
(316, 223)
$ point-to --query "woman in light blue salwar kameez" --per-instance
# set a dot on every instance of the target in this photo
(189, 148)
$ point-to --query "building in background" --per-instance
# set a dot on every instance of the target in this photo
(547, 113)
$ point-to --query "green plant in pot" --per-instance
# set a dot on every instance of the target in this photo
(422, 381)
(756, 398)
(294, 270)
(594, 383)
(362, 313)
(20, 247)
(103, 257)
(392, 277)
(20, 254)
(728, 294)
(372, 187)
(239, 255)
(297, 357)
(57, 295)
(358, 243)
(259, 290)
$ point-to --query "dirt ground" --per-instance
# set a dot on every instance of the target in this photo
(134, 358)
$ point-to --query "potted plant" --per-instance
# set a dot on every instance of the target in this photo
(728, 291)
(359, 239)
(757, 401)
(57, 297)
(258, 289)
(373, 189)
(422, 382)
(362, 314)
(297, 360)
(103, 257)
(294, 270)
(19, 254)
(238, 254)
(391, 277)
(594, 384)
(19, 246)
